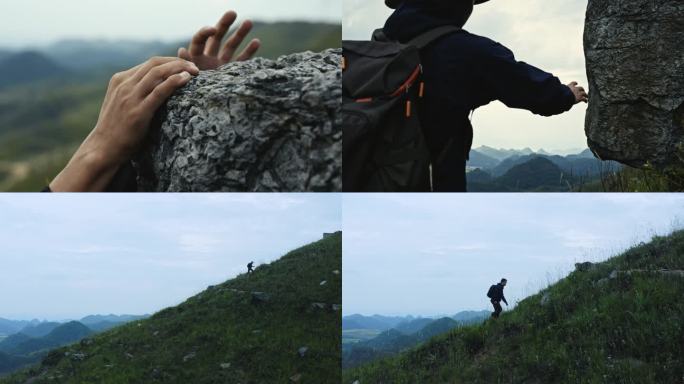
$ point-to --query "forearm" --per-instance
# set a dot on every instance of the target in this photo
(89, 170)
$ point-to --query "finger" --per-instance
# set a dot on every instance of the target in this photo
(145, 67)
(573, 84)
(159, 74)
(249, 51)
(164, 90)
(221, 29)
(199, 41)
(184, 54)
(234, 41)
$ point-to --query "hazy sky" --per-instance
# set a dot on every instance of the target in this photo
(66, 256)
(39, 21)
(438, 254)
(547, 34)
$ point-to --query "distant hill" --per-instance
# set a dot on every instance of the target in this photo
(27, 67)
(279, 324)
(62, 335)
(373, 322)
(8, 327)
(501, 154)
(101, 323)
(9, 363)
(537, 173)
(39, 330)
(480, 160)
(619, 321)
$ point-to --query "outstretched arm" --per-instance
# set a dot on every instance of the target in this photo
(205, 48)
(520, 85)
(132, 98)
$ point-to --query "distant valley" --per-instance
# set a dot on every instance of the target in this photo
(368, 338)
(26, 342)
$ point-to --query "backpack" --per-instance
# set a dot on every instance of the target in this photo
(383, 146)
(491, 291)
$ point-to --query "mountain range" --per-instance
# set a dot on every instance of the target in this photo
(618, 321)
(375, 337)
(279, 324)
(508, 170)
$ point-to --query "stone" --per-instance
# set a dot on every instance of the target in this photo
(324, 282)
(584, 267)
(546, 298)
(318, 305)
(336, 307)
(260, 297)
(189, 356)
(225, 365)
(257, 125)
(302, 351)
(613, 275)
(635, 66)
(296, 378)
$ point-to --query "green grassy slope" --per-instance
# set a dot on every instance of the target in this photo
(618, 322)
(223, 335)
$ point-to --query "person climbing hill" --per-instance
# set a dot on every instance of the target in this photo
(461, 72)
(496, 296)
(250, 267)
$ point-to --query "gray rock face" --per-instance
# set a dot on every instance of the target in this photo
(635, 65)
(258, 125)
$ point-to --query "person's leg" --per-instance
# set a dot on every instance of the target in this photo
(449, 175)
(497, 309)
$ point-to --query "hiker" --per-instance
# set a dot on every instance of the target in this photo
(462, 72)
(250, 267)
(102, 162)
(496, 296)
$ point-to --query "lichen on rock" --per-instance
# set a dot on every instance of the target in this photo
(635, 65)
(258, 125)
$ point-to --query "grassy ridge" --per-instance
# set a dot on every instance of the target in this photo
(618, 322)
(222, 334)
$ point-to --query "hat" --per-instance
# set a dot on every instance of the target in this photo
(395, 3)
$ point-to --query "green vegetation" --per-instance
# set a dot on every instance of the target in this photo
(44, 117)
(228, 333)
(619, 321)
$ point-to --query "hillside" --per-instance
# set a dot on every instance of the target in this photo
(281, 322)
(618, 321)
(25, 67)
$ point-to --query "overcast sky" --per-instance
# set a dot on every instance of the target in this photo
(67, 256)
(438, 254)
(29, 22)
(544, 33)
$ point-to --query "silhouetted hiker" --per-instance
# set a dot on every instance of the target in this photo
(462, 72)
(496, 296)
(250, 267)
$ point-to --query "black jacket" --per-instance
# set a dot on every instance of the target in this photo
(462, 72)
(497, 294)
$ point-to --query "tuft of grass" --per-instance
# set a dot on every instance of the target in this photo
(222, 334)
(591, 329)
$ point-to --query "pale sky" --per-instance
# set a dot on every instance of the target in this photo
(68, 256)
(547, 34)
(438, 254)
(31, 22)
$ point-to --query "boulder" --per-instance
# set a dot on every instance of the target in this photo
(584, 267)
(635, 66)
(258, 125)
(302, 351)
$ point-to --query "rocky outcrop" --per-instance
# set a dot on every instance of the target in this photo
(635, 65)
(258, 125)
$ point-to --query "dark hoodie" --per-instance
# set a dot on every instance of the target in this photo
(462, 72)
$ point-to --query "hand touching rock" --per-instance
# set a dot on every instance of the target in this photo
(579, 92)
(205, 49)
(132, 98)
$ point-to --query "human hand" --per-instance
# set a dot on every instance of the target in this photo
(132, 98)
(205, 49)
(579, 92)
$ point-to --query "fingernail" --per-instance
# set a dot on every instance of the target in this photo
(186, 75)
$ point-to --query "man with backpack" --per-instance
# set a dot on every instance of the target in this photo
(458, 72)
(250, 267)
(496, 296)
